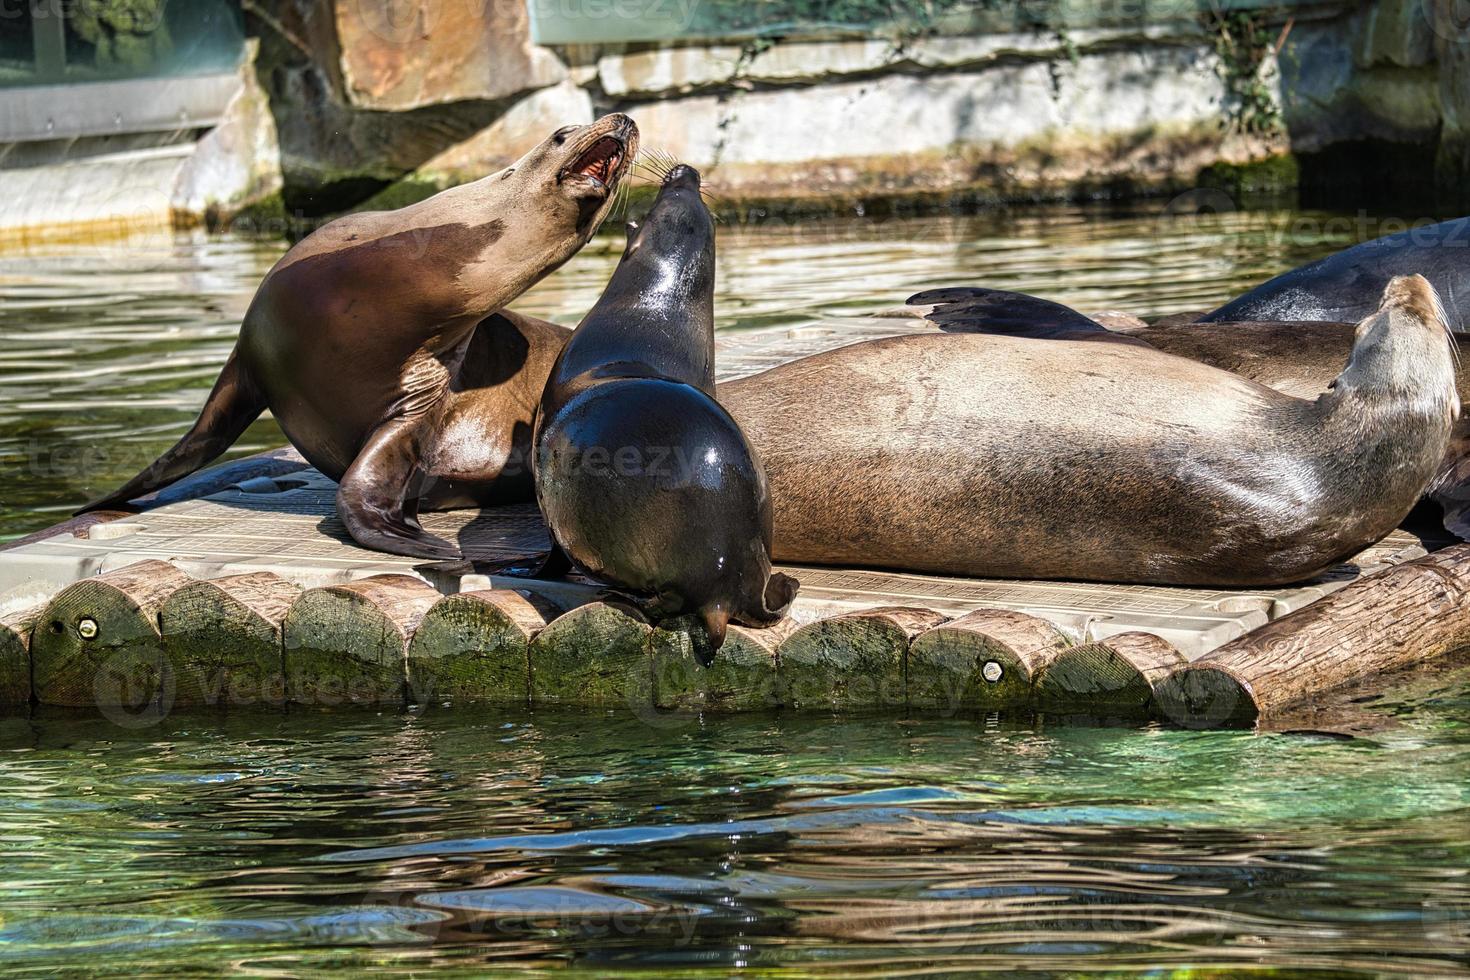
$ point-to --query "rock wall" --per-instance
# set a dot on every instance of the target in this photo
(426, 93)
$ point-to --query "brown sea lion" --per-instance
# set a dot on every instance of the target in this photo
(1014, 457)
(644, 480)
(1299, 359)
(381, 345)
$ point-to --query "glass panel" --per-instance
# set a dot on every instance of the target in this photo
(17, 43)
(594, 21)
(48, 41)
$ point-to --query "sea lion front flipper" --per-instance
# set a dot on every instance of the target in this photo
(551, 565)
(378, 494)
(977, 309)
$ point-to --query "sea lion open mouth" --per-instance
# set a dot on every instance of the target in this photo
(599, 162)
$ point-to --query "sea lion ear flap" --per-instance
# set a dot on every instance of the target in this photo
(976, 309)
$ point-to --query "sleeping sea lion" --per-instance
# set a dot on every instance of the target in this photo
(381, 345)
(1013, 457)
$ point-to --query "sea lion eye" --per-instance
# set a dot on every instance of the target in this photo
(509, 173)
(561, 134)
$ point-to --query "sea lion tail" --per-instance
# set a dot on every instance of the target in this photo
(232, 405)
(978, 309)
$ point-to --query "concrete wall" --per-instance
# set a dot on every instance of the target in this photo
(435, 93)
(347, 98)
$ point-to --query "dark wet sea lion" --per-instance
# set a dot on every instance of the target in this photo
(1346, 286)
(643, 479)
(1013, 457)
(381, 345)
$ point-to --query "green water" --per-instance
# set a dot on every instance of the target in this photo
(867, 846)
(291, 843)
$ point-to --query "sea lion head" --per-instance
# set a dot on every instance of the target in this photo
(1406, 348)
(557, 195)
(671, 252)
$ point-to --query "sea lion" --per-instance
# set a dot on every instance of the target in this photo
(381, 344)
(1346, 286)
(1300, 359)
(643, 479)
(1013, 457)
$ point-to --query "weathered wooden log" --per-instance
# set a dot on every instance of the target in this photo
(855, 660)
(743, 676)
(222, 639)
(986, 659)
(15, 654)
(97, 642)
(1114, 676)
(1398, 618)
(475, 646)
(593, 656)
(348, 644)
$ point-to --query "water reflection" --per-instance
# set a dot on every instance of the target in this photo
(874, 846)
(109, 348)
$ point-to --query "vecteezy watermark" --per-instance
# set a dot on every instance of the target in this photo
(1448, 19)
(674, 466)
(1208, 207)
(139, 17)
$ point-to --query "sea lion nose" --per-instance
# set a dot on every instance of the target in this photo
(683, 175)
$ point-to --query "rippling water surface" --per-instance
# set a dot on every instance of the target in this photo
(284, 844)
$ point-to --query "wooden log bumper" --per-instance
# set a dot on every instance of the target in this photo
(475, 646)
(15, 654)
(593, 656)
(984, 660)
(1114, 676)
(744, 676)
(1396, 619)
(856, 660)
(97, 642)
(348, 644)
(222, 639)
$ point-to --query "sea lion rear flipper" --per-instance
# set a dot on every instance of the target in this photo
(976, 309)
(233, 403)
(1451, 489)
(376, 498)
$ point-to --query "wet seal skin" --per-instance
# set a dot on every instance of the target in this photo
(1346, 286)
(1056, 456)
(642, 477)
(381, 345)
(1298, 358)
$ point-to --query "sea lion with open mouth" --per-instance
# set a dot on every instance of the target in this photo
(381, 345)
(643, 478)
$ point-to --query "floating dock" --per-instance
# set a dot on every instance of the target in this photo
(246, 590)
